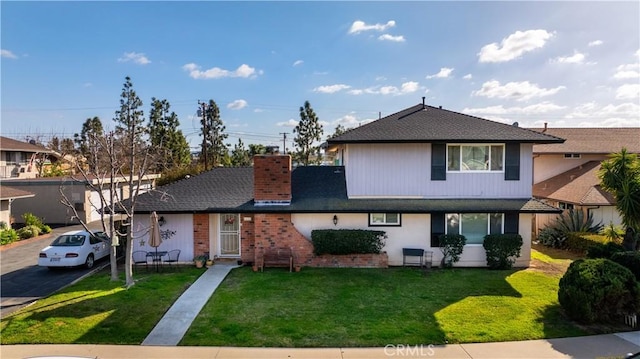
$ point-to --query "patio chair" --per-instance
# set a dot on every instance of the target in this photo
(172, 257)
(139, 259)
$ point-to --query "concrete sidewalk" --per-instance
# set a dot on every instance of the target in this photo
(597, 346)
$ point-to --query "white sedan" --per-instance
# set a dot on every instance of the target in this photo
(75, 248)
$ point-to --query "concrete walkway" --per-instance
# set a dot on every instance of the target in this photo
(174, 324)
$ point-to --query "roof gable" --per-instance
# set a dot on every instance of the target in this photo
(579, 185)
(423, 123)
(591, 140)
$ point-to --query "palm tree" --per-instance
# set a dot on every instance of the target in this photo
(620, 175)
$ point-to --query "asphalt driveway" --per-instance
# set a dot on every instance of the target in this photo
(22, 281)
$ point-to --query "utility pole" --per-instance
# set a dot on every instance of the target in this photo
(203, 114)
(284, 142)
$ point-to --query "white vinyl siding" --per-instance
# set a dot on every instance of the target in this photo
(404, 171)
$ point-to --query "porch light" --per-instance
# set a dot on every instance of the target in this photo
(335, 220)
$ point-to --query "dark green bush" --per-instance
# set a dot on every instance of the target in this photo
(28, 232)
(502, 250)
(552, 237)
(347, 241)
(557, 233)
(604, 250)
(580, 242)
(8, 235)
(451, 246)
(598, 290)
(629, 260)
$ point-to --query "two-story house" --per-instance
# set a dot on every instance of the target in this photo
(566, 174)
(415, 174)
(18, 158)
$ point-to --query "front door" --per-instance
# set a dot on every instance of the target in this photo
(229, 235)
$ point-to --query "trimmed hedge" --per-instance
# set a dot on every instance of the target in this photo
(502, 250)
(629, 260)
(347, 241)
(606, 250)
(598, 290)
(580, 242)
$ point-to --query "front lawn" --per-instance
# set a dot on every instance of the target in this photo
(376, 307)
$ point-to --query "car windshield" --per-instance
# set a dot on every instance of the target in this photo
(68, 241)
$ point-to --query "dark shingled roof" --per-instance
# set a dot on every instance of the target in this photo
(315, 189)
(7, 192)
(422, 123)
(9, 144)
(591, 140)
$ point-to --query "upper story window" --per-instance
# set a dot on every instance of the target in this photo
(475, 157)
(384, 219)
(571, 155)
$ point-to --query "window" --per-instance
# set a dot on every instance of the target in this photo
(571, 155)
(474, 226)
(384, 219)
(478, 158)
(564, 205)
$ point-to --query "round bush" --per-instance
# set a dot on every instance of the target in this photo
(629, 260)
(28, 232)
(604, 250)
(598, 290)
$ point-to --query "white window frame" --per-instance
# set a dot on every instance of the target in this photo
(461, 224)
(385, 222)
(488, 170)
(572, 156)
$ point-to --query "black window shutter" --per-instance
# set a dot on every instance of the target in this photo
(511, 222)
(512, 162)
(437, 228)
(438, 161)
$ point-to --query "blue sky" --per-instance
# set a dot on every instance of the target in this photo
(571, 64)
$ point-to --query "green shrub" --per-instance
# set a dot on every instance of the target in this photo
(451, 246)
(347, 241)
(28, 232)
(612, 232)
(552, 237)
(580, 242)
(8, 235)
(502, 250)
(32, 220)
(45, 229)
(629, 260)
(595, 290)
(604, 250)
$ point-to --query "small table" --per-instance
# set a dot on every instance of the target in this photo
(156, 258)
(425, 257)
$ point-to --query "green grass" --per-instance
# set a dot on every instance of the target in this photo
(98, 311)
(374, 307)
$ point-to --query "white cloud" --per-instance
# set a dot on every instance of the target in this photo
(298, 63)
(444, 73)
(628, 71)
(359, 26)
(405, 88)
(135, 57)
(467, 77)
(331, 88)
(244, 71)
(628, 91)
(7, 54)
(514, 45)
(594, 115)
(409, 87)
(387, 37)
(237, 104)
(290, 123)
(576, 58)
(539, 108)
(258, 110)
(595, 43)
(519, 91)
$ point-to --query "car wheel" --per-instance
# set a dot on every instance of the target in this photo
(89, 262)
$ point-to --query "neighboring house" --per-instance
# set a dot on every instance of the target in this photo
(566, 175)
(47, 201)
(7, 196)
(18, 159)
(415, 174)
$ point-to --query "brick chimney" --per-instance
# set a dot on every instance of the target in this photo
(272, 179)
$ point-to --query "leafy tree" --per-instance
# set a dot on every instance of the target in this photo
(213, 148)
(240, 155)
(339, 130)
(256, 149)
(165, 136)
(308, 132)
(620, 175)
(85, 141)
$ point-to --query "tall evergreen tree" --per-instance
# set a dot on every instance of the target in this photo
(87, 140)
(166, 138)
(240, 155)
(308, 133)
(214, 150)
(337, 132)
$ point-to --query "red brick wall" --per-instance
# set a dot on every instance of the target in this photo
(351, 260)
(272, 177)
(200, 233)
(247, 239)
